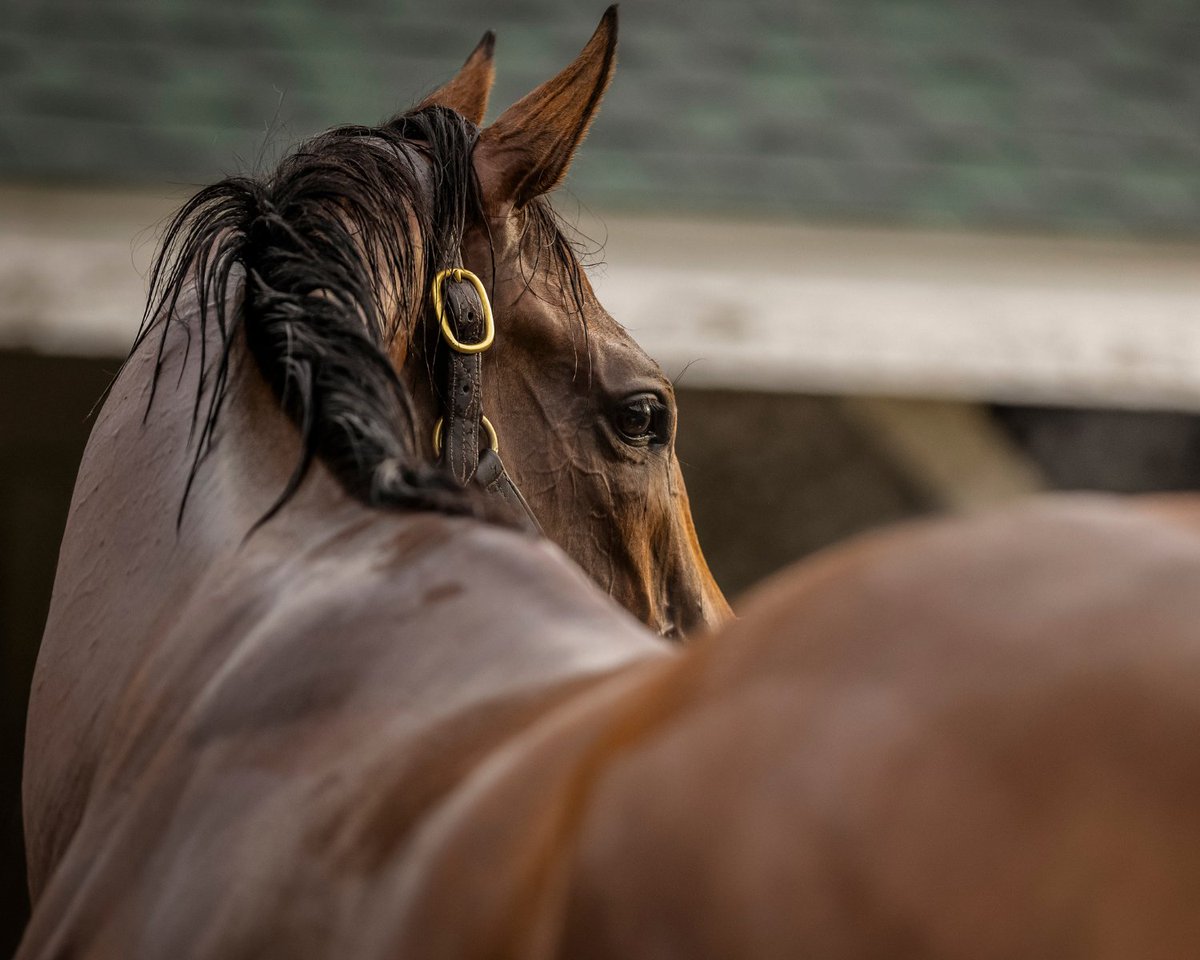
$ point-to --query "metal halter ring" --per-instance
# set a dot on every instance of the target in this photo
(493, 441)
(458, 274)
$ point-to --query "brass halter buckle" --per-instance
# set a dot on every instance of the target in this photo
(459, 275)
(493, 441)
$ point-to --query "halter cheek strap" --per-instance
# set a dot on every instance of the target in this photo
(468, 327)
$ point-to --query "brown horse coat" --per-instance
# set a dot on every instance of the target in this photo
(377, 733)
(335, 648)
(971, 738)
(557, 380)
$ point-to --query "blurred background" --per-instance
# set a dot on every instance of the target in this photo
(899, 255)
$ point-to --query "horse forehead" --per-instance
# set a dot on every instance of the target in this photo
(614, 357)
(617, 355)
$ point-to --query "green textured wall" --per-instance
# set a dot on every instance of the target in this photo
(1059, 114)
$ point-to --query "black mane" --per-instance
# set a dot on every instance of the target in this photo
(317, 243)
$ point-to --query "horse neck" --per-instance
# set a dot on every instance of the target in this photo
(124, 563)
(128, 576)
(127, 549)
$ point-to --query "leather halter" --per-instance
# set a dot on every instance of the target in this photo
(468, 327)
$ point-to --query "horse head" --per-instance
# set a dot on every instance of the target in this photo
(585, 420)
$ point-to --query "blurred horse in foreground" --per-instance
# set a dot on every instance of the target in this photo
(345, 702)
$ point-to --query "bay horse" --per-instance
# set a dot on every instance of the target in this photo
(341, 247)
(391, 723)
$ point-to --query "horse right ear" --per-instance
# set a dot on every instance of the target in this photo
(468, 92)
(527, 151)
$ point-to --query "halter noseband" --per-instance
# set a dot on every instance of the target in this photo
(456, 434)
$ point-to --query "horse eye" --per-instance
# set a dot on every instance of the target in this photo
(638, 419)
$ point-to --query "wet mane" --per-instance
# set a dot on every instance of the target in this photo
(320, 243)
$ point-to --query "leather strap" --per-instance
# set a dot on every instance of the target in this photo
(464, 385)
(495, 479)
(462, 433)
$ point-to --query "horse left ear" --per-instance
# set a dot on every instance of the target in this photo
(528, 149)
(469, 90)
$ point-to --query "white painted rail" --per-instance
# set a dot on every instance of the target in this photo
(759, 306)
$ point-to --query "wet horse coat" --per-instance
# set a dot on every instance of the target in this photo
(331, 659)
(341, 245)
(365, 731)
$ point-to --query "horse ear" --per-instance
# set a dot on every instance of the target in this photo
(468, 91)
(527, 151)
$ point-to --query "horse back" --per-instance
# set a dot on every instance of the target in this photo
(914, 739)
